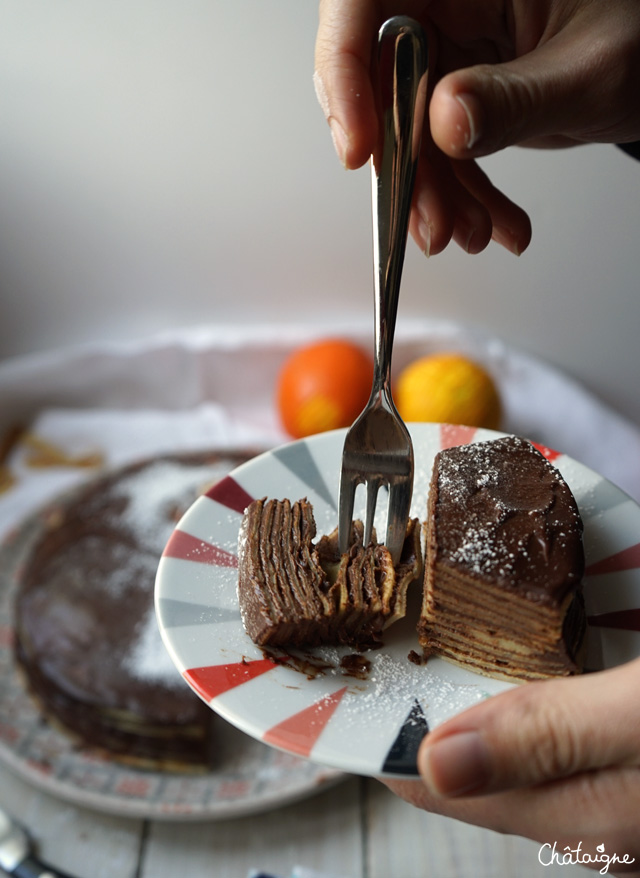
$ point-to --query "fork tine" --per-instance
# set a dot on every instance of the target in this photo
(399, 507)
(372, 493)
(345, 514)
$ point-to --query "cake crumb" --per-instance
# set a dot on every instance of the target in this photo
(355, 665)
(417, 658)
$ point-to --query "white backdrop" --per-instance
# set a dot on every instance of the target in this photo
(163, 163)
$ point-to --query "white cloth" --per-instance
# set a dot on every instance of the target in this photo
(214, 388)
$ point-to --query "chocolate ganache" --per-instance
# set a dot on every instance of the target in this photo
(504, 562)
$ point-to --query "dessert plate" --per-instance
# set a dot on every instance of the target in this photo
(369, 718)
(249, 777)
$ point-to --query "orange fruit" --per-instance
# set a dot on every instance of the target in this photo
(448, 388)
(323, 386)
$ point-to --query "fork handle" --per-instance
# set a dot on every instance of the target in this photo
(402, 88)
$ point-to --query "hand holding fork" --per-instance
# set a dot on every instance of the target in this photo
(378, 449)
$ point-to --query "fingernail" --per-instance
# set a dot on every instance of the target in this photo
(507, 239)
(338, 134)
(340, 139)
(321, 94)
(456, 765)
(469, 238)
(468, 244)
(424, 230)
(471, 106)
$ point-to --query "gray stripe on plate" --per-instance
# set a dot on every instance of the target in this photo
(175, 614)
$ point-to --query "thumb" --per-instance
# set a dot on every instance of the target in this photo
(569, 89)
(535, 733)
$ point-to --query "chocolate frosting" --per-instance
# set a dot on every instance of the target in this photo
(504, 513)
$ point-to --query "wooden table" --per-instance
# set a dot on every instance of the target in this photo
(355, 829)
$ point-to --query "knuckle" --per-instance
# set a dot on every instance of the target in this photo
(514, 99)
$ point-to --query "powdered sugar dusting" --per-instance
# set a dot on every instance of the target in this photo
(148, 658)
(393, 680)
(159, 493)
(477, 550)
(129, 570)
(155, 497)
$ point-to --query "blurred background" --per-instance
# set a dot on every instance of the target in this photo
(165, 165)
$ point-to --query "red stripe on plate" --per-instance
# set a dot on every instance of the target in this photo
(452, 435)
(213, 680)
(629, 620)
(189, 548)
(229, 493)
(627, 559)
(299, 733)
(549, 453)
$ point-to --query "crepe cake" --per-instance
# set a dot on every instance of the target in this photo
(86, 634)
(294, 592)
(504, 563)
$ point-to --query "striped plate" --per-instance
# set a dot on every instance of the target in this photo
(309, 705)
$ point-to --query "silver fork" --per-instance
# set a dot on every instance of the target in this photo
(378, 449)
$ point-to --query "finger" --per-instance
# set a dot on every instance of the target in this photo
(511, 225)
(443, 209)
(472, 228)
(342, 77)
(571, 86)
(433, 214)
(446, 212)
(536, 733)
(456, 200)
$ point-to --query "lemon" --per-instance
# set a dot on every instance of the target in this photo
(448, 388)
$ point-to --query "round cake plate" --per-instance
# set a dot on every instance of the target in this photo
(307, 704)
(249, 776)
